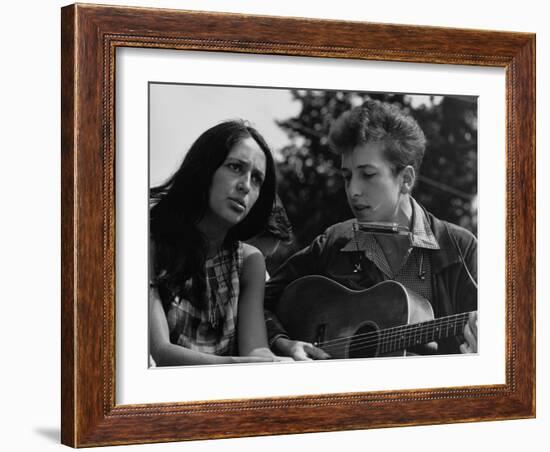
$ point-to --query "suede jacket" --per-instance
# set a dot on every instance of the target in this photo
(454, 270)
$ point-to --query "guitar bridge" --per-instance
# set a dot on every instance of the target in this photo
(320, 335)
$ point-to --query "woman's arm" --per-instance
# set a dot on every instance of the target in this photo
(251, 331)
(167, 354)
(162, 350)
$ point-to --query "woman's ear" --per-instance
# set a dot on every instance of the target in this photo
(408, 177)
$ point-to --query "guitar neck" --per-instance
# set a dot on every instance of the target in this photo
(406, 336)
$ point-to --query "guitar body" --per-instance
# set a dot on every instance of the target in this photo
(348, 323)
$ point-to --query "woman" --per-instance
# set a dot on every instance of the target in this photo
(206, 297)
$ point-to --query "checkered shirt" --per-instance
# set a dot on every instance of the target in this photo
(417, 262)
(213, 328)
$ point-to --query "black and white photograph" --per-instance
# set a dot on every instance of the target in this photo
(301, 225)
(236, 225)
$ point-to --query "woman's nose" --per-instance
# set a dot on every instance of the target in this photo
(244, 183)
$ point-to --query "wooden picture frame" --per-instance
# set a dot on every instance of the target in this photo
(90, 36)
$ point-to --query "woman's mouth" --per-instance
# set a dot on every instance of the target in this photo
(237, 204)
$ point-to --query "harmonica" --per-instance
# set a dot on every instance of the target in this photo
(379, 227)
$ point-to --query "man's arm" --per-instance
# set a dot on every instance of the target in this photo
(308, 261)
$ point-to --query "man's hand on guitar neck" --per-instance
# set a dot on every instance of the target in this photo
(298, 350)
(470, 334)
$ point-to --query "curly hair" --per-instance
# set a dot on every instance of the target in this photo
(380, 121)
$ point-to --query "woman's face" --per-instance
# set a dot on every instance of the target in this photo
(373, 191)
(236, 184)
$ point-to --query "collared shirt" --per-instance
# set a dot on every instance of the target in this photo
(415, 271)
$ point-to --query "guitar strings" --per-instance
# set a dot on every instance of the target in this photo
(398, 334)
(397, 329)
(386, 347)
(383, 345)
(388, 344)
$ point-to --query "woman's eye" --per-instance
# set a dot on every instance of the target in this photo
(257, 180)
(369, 175)
(234, 167)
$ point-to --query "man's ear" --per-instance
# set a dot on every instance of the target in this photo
(408, 177)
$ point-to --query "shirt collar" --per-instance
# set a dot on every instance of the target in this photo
(421, 236)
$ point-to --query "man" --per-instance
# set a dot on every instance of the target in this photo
(382, 149)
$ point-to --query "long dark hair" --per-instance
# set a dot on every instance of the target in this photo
(181, 202)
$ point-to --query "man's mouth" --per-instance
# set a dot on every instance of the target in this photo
(360, 207)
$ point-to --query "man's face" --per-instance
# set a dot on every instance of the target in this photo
(373, 191)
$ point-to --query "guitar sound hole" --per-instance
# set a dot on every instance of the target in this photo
(364, 343)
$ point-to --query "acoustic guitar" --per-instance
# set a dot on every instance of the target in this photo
(384, 320)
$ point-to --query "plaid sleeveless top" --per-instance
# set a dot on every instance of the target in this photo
(211, 329)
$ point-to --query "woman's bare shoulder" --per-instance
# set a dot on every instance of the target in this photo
(250, 250)
(253, 263)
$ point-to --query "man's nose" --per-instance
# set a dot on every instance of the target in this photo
(354, 188)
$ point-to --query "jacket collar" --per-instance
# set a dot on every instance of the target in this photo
(446, 254)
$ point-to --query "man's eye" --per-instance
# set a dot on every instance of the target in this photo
(234, 167)
(368, 175)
